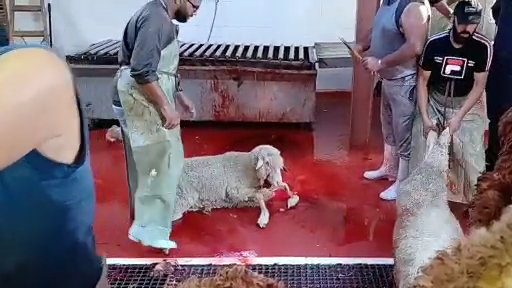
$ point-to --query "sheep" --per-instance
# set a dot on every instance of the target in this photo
(483, 259)
(232, 180)
(424, 221)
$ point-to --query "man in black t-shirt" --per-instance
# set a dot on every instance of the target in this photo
(451, 80)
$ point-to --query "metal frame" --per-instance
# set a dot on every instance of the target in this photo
(254, 260)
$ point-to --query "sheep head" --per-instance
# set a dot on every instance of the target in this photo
(438, 146)
(269, 164)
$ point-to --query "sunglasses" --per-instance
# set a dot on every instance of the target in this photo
(194, 6)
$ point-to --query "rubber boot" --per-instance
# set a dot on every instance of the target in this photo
(403, 172)
(156, 237)
(388, 169)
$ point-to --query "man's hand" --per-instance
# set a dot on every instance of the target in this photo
(428, 126)
(454, 124)
(170, 117)
(358, 48)
(371, 64)
(187, 104)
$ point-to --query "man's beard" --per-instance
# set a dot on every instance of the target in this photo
(180, 16)
(459, 38)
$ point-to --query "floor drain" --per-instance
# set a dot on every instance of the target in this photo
(295, 276)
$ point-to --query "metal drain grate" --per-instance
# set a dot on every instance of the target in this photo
(294, 276)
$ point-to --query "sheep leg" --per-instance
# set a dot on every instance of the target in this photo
(293, 199)
(264, 213)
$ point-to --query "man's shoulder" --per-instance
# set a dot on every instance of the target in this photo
(151, 11)
(12, 47)
(417, 3)
(438, 38)
(481, 42)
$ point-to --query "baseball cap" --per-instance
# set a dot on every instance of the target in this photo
(468, 12)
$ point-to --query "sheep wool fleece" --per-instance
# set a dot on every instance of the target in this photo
(157, 153)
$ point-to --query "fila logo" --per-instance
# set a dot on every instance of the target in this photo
(454, 67)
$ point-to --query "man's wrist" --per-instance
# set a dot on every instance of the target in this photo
(382, 63)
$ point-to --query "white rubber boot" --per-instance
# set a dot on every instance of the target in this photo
(388, 169)
(156, 237)
(403, 172)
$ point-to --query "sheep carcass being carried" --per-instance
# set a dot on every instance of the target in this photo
(232, 180)
(424, 222)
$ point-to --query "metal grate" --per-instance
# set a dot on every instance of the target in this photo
(274, 56)
(294, 276)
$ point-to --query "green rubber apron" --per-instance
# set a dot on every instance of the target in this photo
(157, 152)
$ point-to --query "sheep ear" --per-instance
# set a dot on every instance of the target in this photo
(259, 164)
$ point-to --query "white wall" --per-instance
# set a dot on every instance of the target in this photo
(77, 24)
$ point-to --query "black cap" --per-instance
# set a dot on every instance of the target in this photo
(468, 12)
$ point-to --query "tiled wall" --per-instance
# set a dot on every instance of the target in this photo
(77, 24)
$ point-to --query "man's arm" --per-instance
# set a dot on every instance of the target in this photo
(426, 64)
(365, 44)
(481, 72)
(37, 103)
(145, 58)
(442, 7)
(422, 90)
(414, 21)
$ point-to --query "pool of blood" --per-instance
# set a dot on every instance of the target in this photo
(339, 213)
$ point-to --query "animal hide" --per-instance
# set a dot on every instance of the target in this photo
(483, 260)
(233, 277)
(494, 189)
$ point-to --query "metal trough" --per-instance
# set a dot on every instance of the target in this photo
(226, 82)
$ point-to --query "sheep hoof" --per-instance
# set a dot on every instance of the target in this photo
(263, 220)
(292, 201)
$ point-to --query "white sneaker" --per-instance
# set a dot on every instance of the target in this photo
(156, 237)
(392, 192)
(388, 169)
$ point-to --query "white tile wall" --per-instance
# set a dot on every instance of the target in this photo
(77, 24)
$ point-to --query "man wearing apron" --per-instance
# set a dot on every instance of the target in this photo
(451, 81)
(147, 89)
(46, 185)
(499, 83)
(398, 34)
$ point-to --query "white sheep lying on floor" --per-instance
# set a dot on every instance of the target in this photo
(424, 223)
(231, 180)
